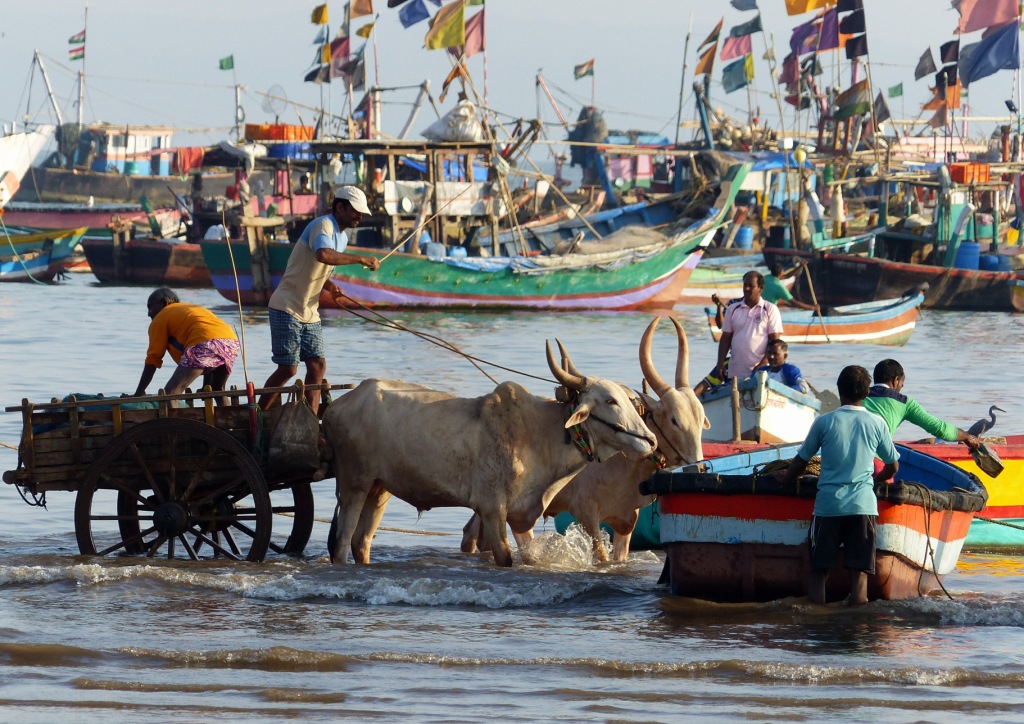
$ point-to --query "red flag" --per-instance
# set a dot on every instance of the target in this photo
(736, 47)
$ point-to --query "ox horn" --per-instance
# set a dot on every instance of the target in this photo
(564, 377)
(647, 364)
(683, 359)
(567, 361)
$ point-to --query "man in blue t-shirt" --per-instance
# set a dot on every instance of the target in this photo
(780, 369)
(845, 506)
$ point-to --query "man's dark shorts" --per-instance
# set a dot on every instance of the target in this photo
(855, 533)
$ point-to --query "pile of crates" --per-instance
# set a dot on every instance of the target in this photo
(969, 172)
(277, 132)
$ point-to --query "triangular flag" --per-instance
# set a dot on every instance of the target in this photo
(925, 66)
(321, 36)
(458, 71)
(941, 117)
(339, 48)
(77, 38)
(364, 32)
(319, 15)
(361, 8)
(713, 37)
(318, 75)
(880, 111)
(706, 64)
(448, 27)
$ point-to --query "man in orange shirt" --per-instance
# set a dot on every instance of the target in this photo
(199, 342)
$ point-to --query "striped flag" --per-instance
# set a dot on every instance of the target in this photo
(76, 53)
(77, 38)
(584, 69)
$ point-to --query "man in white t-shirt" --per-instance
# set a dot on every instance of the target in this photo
(295, 330)
(747, 328)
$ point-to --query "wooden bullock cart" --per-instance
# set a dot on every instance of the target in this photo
(170, 481)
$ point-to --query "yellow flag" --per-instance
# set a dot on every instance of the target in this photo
(799, 7)
(748, 67)
(325, 53)
(364, 32)
(448, 28)
(319, 16)
(361, 8)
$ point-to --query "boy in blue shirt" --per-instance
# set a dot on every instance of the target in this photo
(845, 507)
(780, 370)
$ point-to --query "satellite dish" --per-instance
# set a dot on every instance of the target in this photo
(275, 100)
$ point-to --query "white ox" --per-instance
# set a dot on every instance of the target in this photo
(504, 455)
(609, 492)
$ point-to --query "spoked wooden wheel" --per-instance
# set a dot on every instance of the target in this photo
(177, 489)
(294, 502)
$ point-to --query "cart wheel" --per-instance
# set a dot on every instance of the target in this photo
(174, 488)
(296, 502)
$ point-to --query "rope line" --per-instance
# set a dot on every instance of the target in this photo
(17, 256)
(382, 527)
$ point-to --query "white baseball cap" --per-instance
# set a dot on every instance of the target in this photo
(354, 196)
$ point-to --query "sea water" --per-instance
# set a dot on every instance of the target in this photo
(426, 633)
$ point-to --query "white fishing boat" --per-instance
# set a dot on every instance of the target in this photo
(760, 410)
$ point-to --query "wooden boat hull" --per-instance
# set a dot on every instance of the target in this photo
(1000, 526)
(37, 257)
(847, 279)
(414, 281)
(147, 261)
(887, 321)
(725, 544)
(96, 218)
(770, 412)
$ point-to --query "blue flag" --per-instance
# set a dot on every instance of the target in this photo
(413, 13)
(738, 74)
(744, 4)
(999, 51)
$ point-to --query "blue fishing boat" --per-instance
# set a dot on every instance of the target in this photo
(38, 256)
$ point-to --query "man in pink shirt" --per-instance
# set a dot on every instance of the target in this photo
(747, 328)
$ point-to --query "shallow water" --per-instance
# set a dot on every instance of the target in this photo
(428, 634)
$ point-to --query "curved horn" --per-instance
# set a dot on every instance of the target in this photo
(567, 361)
(683, 360)
(565, 378)
(647, 364)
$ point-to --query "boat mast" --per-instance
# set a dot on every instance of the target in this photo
(49, 89)
(81, 74)
(682, 78)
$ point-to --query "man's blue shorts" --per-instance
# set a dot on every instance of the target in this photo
(292, 341)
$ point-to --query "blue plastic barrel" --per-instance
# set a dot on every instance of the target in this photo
(745, 237)
(967, 255)
(994, 262)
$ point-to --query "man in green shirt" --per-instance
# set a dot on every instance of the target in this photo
(888, 402)
(775, 291)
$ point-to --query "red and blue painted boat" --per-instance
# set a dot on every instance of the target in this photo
(731, 534)
(886, 321)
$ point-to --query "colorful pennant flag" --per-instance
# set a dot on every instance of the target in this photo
(799, 7)
(227, 63)
(414, 12)
(458, 71)
(855, 101)
(880, 110)
(583, 69)
(738, 74)
(999, 51)
(321, 36)
(706, 64)
(978, 14)
(735, 47)
(364, 32)
(941, 117)
(790, 69)
(448, 27)
(76, 53)
(359, 8)
(339, 49)
(744, 5)
(77, 38)
(895, 91)
(713, 37)
(320, 74)
(319, 15)
(346, 19)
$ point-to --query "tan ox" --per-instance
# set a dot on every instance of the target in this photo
(504, 455)
(609, 492)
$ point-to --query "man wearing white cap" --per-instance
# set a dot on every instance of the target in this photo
(295, 330)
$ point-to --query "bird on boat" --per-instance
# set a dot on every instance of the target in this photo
(982, 426)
